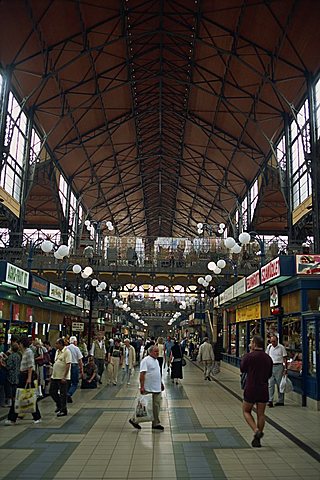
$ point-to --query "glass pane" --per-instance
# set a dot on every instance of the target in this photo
(242, 339)
(292, 340)
(312, 355)
(233, 339)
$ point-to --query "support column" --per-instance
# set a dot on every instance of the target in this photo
(315, 167)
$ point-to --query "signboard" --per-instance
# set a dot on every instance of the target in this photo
(308, 264)
(39, 285)
(77, 327)
(17, 276)
(221, 298)
(253, 280)
(86, 304)
(274, 297)
(270, 271)
(79, 301)
(69, 297)
(248, 312)
(228, 294)
(239, 288)
(216, 302)
(55, 292)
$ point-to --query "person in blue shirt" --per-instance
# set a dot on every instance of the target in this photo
(167, 348)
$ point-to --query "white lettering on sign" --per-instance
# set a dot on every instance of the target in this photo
(270, 271)
(253, 280)
(17, 276)
(77, 327)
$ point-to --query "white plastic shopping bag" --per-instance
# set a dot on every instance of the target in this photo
(143, 409)
(285, 385)
(26, 399)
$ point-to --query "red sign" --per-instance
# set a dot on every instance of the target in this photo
(270, 271)
(15, 311)
(29, 314)
(253, 280)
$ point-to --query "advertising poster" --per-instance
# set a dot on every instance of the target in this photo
(308, 264)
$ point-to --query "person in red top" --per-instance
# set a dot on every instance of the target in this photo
(258, 367)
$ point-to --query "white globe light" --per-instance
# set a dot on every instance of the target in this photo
(222, 226)
(199, 226)
(181, 307)
(211, 266)
(103, 285)
(201, 280)
(88, 271)
(120, 303)
(110, 227)
(88, 228)
(84, 275)
(87, 223)
(57, 255)
(63, 250)
(221, 263)
(244, 238)
(205, 284)
(229, 242)
(236, 249)
(125, 305)
(116, 301)
(46, 246)
(99, 289)
(217, 270)
(128, 309)
(208, 278)
(76, 268)
(220, 231)
(94, 282)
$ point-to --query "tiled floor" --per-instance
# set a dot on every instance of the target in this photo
(205, 437)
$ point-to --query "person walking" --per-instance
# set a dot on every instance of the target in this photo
(26, 379)
(279, 357)
(13, 366)
(61, 375)
(167, 350)
(129, 360)
(258, 367)
(206, 356)
(176, 362)
(76, 367)
(99, 352)
(115, 360)
(150, 383)
(161, 352)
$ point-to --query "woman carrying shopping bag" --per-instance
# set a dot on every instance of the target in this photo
(27, 377)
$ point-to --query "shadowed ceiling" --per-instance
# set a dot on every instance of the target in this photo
(160, 113)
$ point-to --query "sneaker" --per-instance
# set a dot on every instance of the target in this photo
(128, 383)
(279, 404)
(158, 427)
(256, 439)
(9, 422)
(37, 421)
(69, 399)
(62, 414)
(270, 404)
(57, 410)
(134, 424)
(114, 383)
(209, 379)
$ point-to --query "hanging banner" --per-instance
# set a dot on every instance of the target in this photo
(39, 285)
(79, 301)
(274, 296)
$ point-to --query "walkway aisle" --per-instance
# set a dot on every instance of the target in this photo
(205, 437)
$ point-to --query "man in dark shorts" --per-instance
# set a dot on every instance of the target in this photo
(258, 367)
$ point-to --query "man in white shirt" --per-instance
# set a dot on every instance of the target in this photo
(279, 357)
(206, 356)
(150, 383)
(60, 378)
(76, 366)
